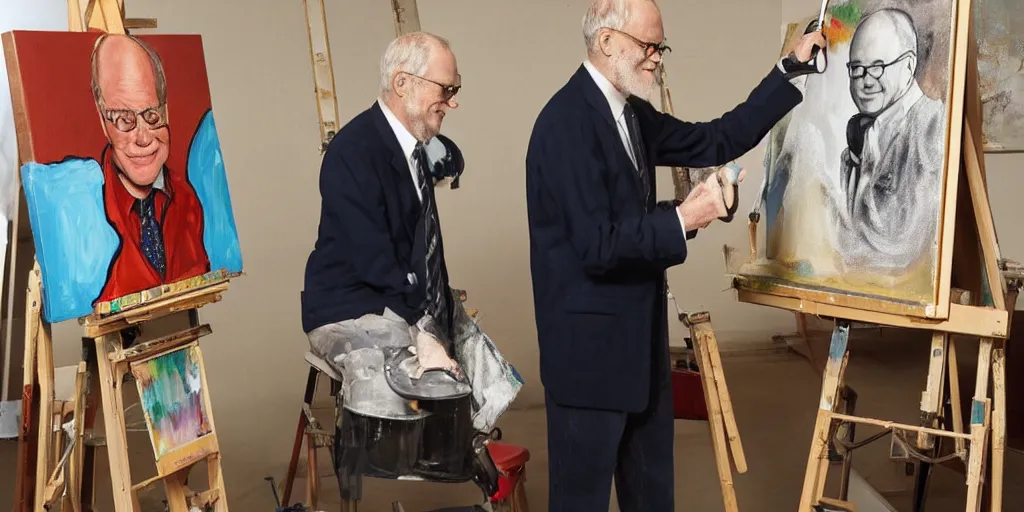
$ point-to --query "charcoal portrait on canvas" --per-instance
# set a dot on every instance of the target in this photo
(855, 174)
(890, 173)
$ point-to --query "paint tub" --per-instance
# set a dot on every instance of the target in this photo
(436, 448)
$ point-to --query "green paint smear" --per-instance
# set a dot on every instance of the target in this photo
(847, 14)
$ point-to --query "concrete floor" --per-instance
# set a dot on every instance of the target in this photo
(774, 396)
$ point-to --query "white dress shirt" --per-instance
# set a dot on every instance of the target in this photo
(617, 103)
(408, 144)
(406, 140)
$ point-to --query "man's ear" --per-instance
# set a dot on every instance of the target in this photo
(604, 41)
(400, 83)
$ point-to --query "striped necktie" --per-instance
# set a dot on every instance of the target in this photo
(436, 287)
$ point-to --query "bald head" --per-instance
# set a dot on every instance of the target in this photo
(883, 60)
(131, 98)
(125, 65)
(883, 36)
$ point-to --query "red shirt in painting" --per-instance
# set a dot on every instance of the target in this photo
(180, 215)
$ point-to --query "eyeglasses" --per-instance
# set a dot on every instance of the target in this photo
(126, 120)
(649, 48)
(447, 91)
(875, 70)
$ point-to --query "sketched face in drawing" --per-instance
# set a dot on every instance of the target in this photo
(883, 59)
(131, 97)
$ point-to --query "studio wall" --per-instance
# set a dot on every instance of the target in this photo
(512, 57)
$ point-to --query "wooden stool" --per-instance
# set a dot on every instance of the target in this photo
(310, 430)
(511, 463)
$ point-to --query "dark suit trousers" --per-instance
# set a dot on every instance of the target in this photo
(587, 448)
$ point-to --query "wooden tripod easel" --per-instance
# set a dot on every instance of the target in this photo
(721, 420)
(111, 351)
(969, 310)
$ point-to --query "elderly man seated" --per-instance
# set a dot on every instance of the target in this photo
(377, 302)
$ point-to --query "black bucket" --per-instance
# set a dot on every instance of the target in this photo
(438, 448)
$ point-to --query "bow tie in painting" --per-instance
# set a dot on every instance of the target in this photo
(445, 160)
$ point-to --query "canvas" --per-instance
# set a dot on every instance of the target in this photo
(855, 174)
(20, 15)
(173, 398)
(999, 31)
(123, 175)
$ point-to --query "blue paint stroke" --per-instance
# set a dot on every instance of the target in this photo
(208, 177)
(74, 241)
(977, 412)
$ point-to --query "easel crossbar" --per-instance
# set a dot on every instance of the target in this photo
(892, 425)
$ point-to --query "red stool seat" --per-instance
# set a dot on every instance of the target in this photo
(511, 461)
(507, 457)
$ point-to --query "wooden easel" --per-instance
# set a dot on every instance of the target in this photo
(968, 309)
(323, 71)
(721, 420)
(110, 353)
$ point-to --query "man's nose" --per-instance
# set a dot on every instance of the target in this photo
(452, 103)
(143, 136)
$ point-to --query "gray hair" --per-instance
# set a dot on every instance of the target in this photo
(154, 59)
(613, 14)
(409, 53)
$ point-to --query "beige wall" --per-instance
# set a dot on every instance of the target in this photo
(512, 56)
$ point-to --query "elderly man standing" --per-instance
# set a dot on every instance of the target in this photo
(600, 247)
(891, 170)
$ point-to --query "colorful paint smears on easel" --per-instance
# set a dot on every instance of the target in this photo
(172, 397)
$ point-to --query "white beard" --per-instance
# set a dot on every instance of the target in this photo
(628, 78)
(418, 127)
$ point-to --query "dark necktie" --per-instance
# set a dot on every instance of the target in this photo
(636, 143)
(152, 237)
(436, 288)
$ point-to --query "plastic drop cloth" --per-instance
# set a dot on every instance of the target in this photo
(360, 350)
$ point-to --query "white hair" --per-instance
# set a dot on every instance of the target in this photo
(409, 53)
(613, 14)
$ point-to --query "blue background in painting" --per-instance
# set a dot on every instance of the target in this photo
(207, 175)
(74, 241)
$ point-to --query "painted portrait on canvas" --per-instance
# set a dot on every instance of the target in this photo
(855, 174)
(999, 31)
(123, 173)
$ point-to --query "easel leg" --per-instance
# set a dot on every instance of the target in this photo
(980, 421)
(998, 427)
(718, 373)
(954, 398)
(44, 369)
(814, 478)
(717, 426)
(931, 401)
(110, 377)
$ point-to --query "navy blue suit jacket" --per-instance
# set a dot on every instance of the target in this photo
(598, 251)
(371, 230)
